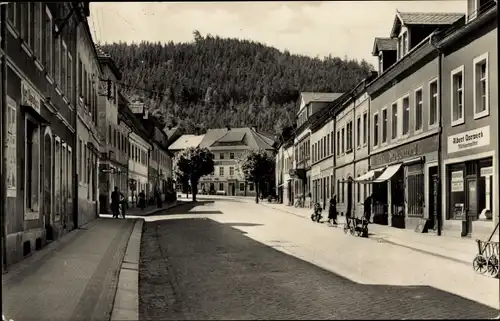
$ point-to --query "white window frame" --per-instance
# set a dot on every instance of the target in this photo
(393, 138)
(479, 60)
(382, 127)
(454, 72)
(429, 100)
(375, 123)
(11, 25)
(421, 89)
(49, 59)
(359, 132)
(366, 128)
(69, 80)
(402, 111)
(25, 44)
(64, 62)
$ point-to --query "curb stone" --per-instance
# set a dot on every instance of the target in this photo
(126, 302)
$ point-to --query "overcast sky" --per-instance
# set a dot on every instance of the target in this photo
(339, 28)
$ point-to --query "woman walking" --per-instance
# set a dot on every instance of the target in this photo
(332, 210)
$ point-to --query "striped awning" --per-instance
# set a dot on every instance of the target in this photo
(367, 177)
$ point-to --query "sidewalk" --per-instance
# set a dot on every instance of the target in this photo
(456, 249)
(73, 278)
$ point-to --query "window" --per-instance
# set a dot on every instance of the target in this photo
(231, 155)
(433, 102)
(338, 143)
(375, 129)
(328, 145)
(231, 171)
(80, 156)
(84, 167)
(349, 136)
(358, 132)
(63, 177)
(404, 43)
(332, 143)
(242, 187)
(24, 9)
(394, 120)
(250, 186)
(12, 10)
(324, 147)
(343, 140)
(221, 171)
(32, 166)
(419, 109)
(221, 155)
(406, 115)
(56, 71)
(12, 148)
(480, 90)
(221, 186)
(457, 96)
(384, 125)
(69, 174)
(37, 29)
(48, 41)
(313, 151)
(69, 81)
(365, 127)
(64, 61)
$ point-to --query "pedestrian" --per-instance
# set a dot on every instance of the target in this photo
(332, 210)
(115, 202)
(367, 207)
(142, 200)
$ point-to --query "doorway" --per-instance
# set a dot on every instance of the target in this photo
(232, 189)
(470, 204)
(433, 198)
(47, 186)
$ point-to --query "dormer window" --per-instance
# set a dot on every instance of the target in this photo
(477, 7)
(403, 44)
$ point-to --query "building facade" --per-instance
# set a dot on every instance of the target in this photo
(88, 75)
(137, 166)
(469, 100)
(229, 144)
(41, 102)
(113, 163)
(404, 113)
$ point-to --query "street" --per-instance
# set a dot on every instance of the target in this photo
(228, 259)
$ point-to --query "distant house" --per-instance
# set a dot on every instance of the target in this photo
(228, 144)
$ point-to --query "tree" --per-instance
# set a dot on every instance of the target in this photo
(191, 164)
(256, 166)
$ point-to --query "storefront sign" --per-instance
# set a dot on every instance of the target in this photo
(457, 181)
(469, 139)
(487, 171)
(403, 152)
(29, 97)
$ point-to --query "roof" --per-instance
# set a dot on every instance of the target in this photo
(424, 18)
(236, 138)
(382, 44)
(186, 141)
(308, 97)
(170, 131)
(104, 57)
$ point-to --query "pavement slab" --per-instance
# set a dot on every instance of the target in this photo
(74, 278)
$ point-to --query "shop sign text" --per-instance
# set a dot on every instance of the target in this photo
(29, 97)
(470, 139)
(404, 152)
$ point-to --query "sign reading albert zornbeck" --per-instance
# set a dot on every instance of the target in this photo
(468, 140)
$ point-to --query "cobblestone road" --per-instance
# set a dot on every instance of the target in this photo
(198, 268)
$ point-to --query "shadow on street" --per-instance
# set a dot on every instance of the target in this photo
(201, 269)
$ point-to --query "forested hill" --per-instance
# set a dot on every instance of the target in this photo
(215, 82)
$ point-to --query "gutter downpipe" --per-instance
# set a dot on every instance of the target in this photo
(439, 216)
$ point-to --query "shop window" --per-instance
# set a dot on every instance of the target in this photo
(415, 190)
(457, 191)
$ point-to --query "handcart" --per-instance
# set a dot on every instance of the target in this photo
(487, 259)
(356, 226)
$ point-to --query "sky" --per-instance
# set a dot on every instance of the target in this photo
(312, 28)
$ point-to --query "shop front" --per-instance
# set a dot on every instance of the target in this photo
(470, 184)
(404, 181)
(345, 188)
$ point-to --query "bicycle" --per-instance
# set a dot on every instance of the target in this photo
(299, 203)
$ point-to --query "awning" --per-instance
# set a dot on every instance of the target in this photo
(366, 177)
(388, 173)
